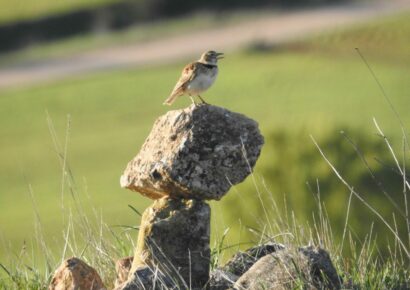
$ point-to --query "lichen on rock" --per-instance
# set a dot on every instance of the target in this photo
(198, 152)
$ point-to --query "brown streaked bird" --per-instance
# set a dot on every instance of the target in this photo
(196, 77)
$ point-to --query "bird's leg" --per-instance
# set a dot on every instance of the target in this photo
(202, 100)
(193, 100)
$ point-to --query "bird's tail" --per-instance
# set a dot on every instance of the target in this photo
(171, 99)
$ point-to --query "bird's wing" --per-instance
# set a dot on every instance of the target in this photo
(188, 73)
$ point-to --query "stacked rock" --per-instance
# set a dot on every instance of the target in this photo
(190, 156)
(193, 155)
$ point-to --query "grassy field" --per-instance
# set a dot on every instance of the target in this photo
(386, 40)
(318, 85)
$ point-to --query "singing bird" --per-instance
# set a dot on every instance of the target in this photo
(196, 77)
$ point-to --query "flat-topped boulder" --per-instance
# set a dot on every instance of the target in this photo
(197, 152)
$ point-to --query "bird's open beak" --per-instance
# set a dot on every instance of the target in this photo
(219, 55)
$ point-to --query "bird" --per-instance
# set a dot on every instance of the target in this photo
(196, 77)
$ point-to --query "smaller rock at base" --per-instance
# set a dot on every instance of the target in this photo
(308, 267)
(321, 267)
(122, 268)
(73, 273)
(242, 261)
(147, 278)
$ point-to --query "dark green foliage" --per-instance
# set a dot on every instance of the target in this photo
(292, 180)
(294, 167)
(164, 7)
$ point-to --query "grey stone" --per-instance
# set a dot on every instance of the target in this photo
(308, 267)
(224, 277)
(221, 280)
(322, 271)
(198, 152)
(146, 278)
(174, 238)
(242, 261)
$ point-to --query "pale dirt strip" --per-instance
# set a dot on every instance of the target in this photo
(277, 28)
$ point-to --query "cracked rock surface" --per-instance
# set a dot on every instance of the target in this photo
(197, 152)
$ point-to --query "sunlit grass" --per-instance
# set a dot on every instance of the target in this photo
(386, 40)
(111, 113)
(88, 237)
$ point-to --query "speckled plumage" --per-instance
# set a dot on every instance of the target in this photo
(196, 77)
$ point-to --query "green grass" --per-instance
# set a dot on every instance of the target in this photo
(14, 10)
(385, 40)
(112, 112)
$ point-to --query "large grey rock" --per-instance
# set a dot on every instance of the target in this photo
(225, 277)
(198, 152)
(242, 261)
(308, 267)
(74, 273)
(174, 238)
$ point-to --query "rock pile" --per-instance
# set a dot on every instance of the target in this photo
(190, 156)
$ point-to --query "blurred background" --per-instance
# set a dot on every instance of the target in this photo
(81, 83)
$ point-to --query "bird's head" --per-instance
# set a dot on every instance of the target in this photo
(211, 57)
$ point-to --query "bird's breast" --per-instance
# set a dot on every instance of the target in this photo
(203, 80)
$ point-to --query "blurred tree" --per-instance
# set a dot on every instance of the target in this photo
(292, 166)
(164, 7)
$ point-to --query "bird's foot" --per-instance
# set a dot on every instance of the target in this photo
(193, 101)
(202, 100)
